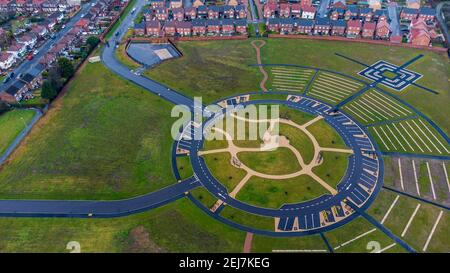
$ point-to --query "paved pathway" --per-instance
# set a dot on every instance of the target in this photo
(262, 85)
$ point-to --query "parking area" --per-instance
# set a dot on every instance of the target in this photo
(289, 79)
(333, 88)
(375, 106)
(413, 135)
(425, 178)
(150, 54)
(421, 225)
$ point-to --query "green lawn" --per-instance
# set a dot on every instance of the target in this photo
(333, 168)
(211, 69)
(220, 166)
(248, 219)
(117, 24)
(299, 140)
(11, 124)
(177, 227)
(102, 140)
(184, 167)
(307, 243)
(204, 196)
(122, 55)
(279, 161)
(275, 193)
(326, 135)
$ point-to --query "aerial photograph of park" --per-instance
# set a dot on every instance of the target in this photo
(224, 126)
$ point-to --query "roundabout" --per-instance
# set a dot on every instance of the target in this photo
(334, 207)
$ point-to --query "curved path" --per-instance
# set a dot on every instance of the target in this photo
(262, 84)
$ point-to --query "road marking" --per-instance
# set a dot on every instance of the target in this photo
(356, 238)
(389, 210)
(395, 136)
(298, 250)
(407, 142)
(446, 175)
(390, 141)
(432, 231)
(415, 177)
(431, 181)
(401, 176)
(410, 220)
(414, 131)
(426, 127)
(415, 142)
(386, 248)
(379, 136)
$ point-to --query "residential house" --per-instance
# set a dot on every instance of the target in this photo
(202, 12)
(184, 28)
(233, 3)
(286, 25)
(213, 27)
(273, 24)
(306, 3)
(228, 26)
(153, 28)
(353, 28)
(351, 13)
(213, 12)
(39, 30)
(139, 29)
(366, 13)
(296, 10)
(241, 11)
(176, 4)
(197, 3)
(337, 13)
(228, 12)
(427, 14)
(241, 26)
(409, 14)
(383, 29)
(28, 39)
(338, 27)
(199, 27)
(322, 26)
(48, 59)
(190, 13)
(178, 14)
(15, 92)
(308, 12)
(380, 14)
(17, 49)
(6, 60)
(161, 13)
(148, 14)
(305, 26)
(157, 3)
(285, 10)
(420, 34)
(33, 77)
(270, 10)
(413, 4)
(368, 30)
(170, 28)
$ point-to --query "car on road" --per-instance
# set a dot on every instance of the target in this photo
(30, 57)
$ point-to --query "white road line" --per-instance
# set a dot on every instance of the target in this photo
(390, 209)
(332, 88)
(446, 175)
(391, 107)
(367, 114)
(395, 147)
(381, 105)
(410, 220)
(432, 231)
(328, 91)
(415, 177)
(394, 102)
(326, 94)
(376, 107)
(431, 181)
(407, 142)
(426, 127)
(420, 129)
(349, 109)
(373, 112)
(401, 175)
(415, 142)
(384, 143)
(395, 136)
(322, 97)
(340, 84)
(356, 238)
(386, 248)
(342, 79)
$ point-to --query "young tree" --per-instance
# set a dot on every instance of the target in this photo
(48, 91)
(92, 42)
(65, 67)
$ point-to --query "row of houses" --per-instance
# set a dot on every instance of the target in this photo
(425, 13)
(190, 13)
(20, 88)
(195, 3)
(199, 27)
(325, 26)
(37, 6)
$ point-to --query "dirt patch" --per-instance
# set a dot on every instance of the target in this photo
(139, 242)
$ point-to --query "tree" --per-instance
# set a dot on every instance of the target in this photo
(65, 67)
(92, 42)
(48, 91)
(4, 107)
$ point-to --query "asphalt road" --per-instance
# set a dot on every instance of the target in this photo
(25, 65)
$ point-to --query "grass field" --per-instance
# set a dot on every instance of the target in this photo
(212, 70)
(299, 140)
(333, 168)
(204, 196)
(11, 124)
(288, 79)
(275, 193)
(97, 142)
(184, 167)
(176, 227)
(248, 219)
(279, 161)
(307, 244)
(326, 135)
(220, 166)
